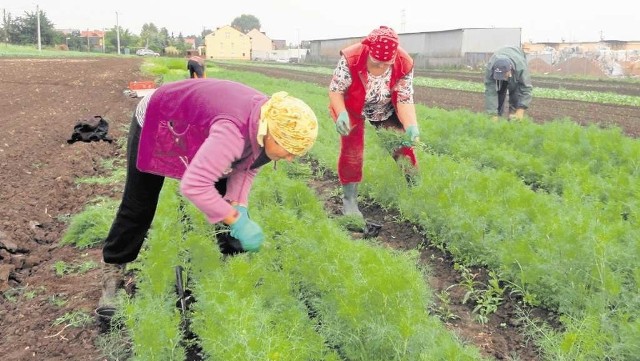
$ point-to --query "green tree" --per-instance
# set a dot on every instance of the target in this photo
(153, 38)
(127, 39)
(245, 23)
(24, 30)
(180, 44)
(8, 26)
(148, 35)
(205, 32)
(74, 41)
(163, 39)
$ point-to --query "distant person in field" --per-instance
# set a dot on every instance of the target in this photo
(195, 65)
(372, 82)
(507, 72)
(214, 136)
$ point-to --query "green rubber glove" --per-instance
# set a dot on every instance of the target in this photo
(247, 231)
(414, 133)
(343, 125)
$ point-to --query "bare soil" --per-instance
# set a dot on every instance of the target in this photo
(41, 100)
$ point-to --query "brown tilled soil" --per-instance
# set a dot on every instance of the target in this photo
(41, 99)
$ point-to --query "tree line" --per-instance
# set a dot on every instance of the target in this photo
(23, 30)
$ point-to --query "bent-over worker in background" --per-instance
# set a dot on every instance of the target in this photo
(195, 65)
(507, 72)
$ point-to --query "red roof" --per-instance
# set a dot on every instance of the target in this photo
(92, 34)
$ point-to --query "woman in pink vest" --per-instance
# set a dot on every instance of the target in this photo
(213, 135)
(373, 81)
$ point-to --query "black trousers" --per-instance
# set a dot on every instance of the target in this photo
(502, 95)
(137, 208)
(196, 70)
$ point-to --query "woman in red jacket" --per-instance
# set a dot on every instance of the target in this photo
(373, 81)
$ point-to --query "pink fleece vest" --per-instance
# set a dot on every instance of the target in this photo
(180, 114)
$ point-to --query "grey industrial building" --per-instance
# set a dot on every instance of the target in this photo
(455, 48)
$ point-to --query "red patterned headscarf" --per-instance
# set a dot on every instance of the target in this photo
(383, 43)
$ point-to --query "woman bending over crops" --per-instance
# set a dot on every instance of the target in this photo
(213, 135)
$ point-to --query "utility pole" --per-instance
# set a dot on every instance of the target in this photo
(39, 39)
(5, 35)
(118, 32)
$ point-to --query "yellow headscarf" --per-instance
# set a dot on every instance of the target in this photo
(290, 121)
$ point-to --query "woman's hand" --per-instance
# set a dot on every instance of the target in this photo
(413, 133)
(343, 125)
(246, 231)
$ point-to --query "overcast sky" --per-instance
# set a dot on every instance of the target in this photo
(295, 20)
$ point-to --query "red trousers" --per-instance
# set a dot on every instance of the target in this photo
(350, 162)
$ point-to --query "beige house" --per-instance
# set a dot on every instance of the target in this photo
(261, 45)
(227, 43)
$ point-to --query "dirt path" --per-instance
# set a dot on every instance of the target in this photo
(38, 169)
(37, 190)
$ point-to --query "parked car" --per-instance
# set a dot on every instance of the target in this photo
(146, 52)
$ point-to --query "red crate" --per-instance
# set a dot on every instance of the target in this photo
(137, 85)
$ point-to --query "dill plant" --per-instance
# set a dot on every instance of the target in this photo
(89, 227)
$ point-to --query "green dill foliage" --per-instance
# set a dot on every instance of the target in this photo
(12, 294)
(75, 319)
(89, 228)
(153, 324)
(152, 317)
(550, 206)
(114, 345)
(485, 297)
(58, 300)
(442, 307)
(368, 302)
(298, 170)
(591, 96)
(351, 222)
(63, 268)
(116, 177)
(391, 139)
(167, 69)
(247, 310)
(27, 292)
(31, 293)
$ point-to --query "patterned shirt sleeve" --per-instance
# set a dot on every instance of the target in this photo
(341, 79)
(141, 109)
(405, 89)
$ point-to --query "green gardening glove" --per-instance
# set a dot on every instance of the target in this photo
(247, 231)
(413, 133)
(343, 125)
